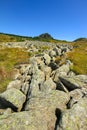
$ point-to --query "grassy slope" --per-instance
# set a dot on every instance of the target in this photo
(79, 57)
(8, 58)
(16, 38)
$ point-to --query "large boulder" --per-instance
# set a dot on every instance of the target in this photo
(45, 106)
(52, 100)
(75, 118)
(74, 82)
(31, 120)
(61, 71)
(15, 97)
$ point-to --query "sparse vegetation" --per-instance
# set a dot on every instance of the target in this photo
(8, 58)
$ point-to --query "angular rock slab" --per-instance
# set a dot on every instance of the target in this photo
(75, 118)
(45, 106)
(14, 96)
(72, 83)
(23, 121)
(54, 99)
(61, 71)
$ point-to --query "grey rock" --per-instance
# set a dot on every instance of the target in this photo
(58, 51)
(61, 71)
(54, 99)
(52, 53)
(14, 96)
(15, 84)
(38, 76)
(46, 59)
(72, 83)
(45, 105)
(82, 78)
(22, 69)
(48, 86)
(32, 120)
(71, 74)
(5, 111)
(25, 87)
(47, 71)
(75, 118)
(75, 96)
(34, 89)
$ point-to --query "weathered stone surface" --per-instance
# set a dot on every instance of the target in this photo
(52, 53)
(48, 85)
(54, 99)
(61, 71)
(15, 84)
(47, 59)
(38, 75)
(47, 71)
(75, 118)
(5, 111)
(25, 87)
(32, 120)
(45, 106)
(14, 96)
(72, 83)
(58, 51)
(75, 96)
(82, 78)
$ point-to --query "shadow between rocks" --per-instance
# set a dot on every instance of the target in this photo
(6, 104)
(58, 113)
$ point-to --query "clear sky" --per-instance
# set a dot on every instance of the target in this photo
(63, 19)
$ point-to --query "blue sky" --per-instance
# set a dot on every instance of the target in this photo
(63, 19)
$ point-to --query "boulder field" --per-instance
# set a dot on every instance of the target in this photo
(45, 94)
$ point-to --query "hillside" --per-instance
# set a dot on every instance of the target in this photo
(16, 38)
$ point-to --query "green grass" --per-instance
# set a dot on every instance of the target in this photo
(79, 57)
(9, 57)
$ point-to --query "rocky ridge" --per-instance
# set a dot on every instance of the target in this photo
(45, 94)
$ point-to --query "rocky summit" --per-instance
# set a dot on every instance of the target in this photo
(45, 94)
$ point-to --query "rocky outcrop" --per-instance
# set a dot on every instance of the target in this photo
(75, 118)
(45, 94)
